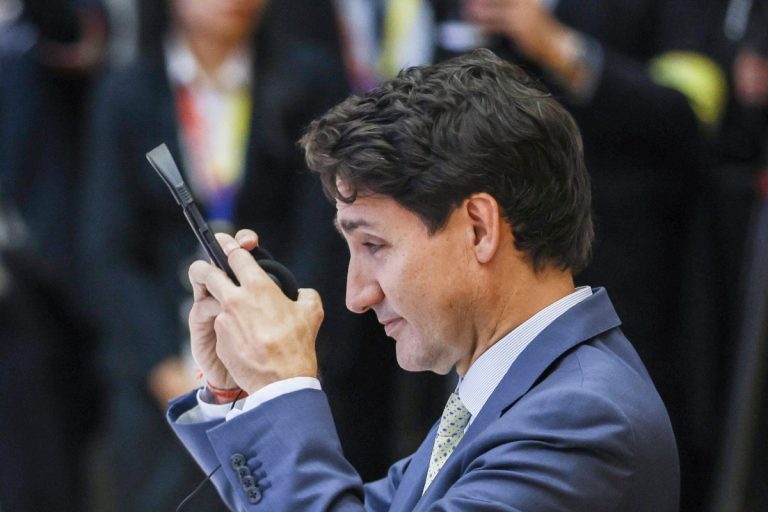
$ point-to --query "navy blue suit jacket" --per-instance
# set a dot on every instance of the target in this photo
(576, 424)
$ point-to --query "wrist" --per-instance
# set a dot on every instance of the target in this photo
(575, 61)
(218, 379)
(256, 385)
(224, 395)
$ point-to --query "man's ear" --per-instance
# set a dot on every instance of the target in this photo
(484, 214)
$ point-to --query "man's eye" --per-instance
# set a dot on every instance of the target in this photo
(372, 247)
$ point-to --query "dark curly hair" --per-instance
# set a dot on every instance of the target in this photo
(434, 135)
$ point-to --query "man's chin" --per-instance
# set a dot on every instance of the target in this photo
(407, 361)
(418, 362)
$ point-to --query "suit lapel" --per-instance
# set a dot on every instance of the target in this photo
(412, 484)
(156, 123)
(255, 135)
(168, 125)
(262, 148)
(591, 317)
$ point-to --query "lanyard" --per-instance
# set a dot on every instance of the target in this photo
(215, 131)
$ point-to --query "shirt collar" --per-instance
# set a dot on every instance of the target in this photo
(485, 374)
(183, 70)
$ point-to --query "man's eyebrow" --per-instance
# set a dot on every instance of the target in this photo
(348, 226)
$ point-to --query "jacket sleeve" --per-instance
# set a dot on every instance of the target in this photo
(283, 455)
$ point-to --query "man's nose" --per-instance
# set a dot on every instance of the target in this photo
(363, 291)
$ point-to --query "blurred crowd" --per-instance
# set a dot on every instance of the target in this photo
(672, 100)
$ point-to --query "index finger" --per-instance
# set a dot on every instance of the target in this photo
(247, 238)
(227, 243)
(250, 274)
(217, 283)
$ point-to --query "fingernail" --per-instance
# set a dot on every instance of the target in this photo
(246, 239)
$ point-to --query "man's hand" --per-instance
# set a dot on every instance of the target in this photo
(202, 336)
(750, 74)
(82, 56)
(528, 23)
(536, 33)
(250, 335)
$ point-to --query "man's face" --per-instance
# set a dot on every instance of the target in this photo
(231, 20)
(418, 284)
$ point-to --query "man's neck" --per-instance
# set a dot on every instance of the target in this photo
(514, 300)
(210, 53)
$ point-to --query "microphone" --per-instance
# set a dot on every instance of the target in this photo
(162, 161)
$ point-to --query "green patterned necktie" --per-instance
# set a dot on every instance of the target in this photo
(450, 431)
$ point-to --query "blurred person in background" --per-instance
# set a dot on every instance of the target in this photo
(722, 269)
(49, 51)
(751, 66)
(49, 56)
(228, 87)
(739, 214)
(380, 37)
(50, 401)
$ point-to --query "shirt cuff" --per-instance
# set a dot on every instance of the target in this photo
(206, 411)
(589, 54)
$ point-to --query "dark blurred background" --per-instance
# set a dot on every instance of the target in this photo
(671, 97)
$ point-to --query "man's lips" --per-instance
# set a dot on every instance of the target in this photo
(391, 324)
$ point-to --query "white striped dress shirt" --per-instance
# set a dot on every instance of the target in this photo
(485, 374)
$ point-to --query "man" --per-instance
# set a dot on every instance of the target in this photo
(463, 197)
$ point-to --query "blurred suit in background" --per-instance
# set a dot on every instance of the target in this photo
(135, 241)
(51, 398)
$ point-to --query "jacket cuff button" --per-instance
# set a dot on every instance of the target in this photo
(237, 460)
(254, 494)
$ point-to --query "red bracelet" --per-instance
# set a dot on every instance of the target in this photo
(225, 396)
